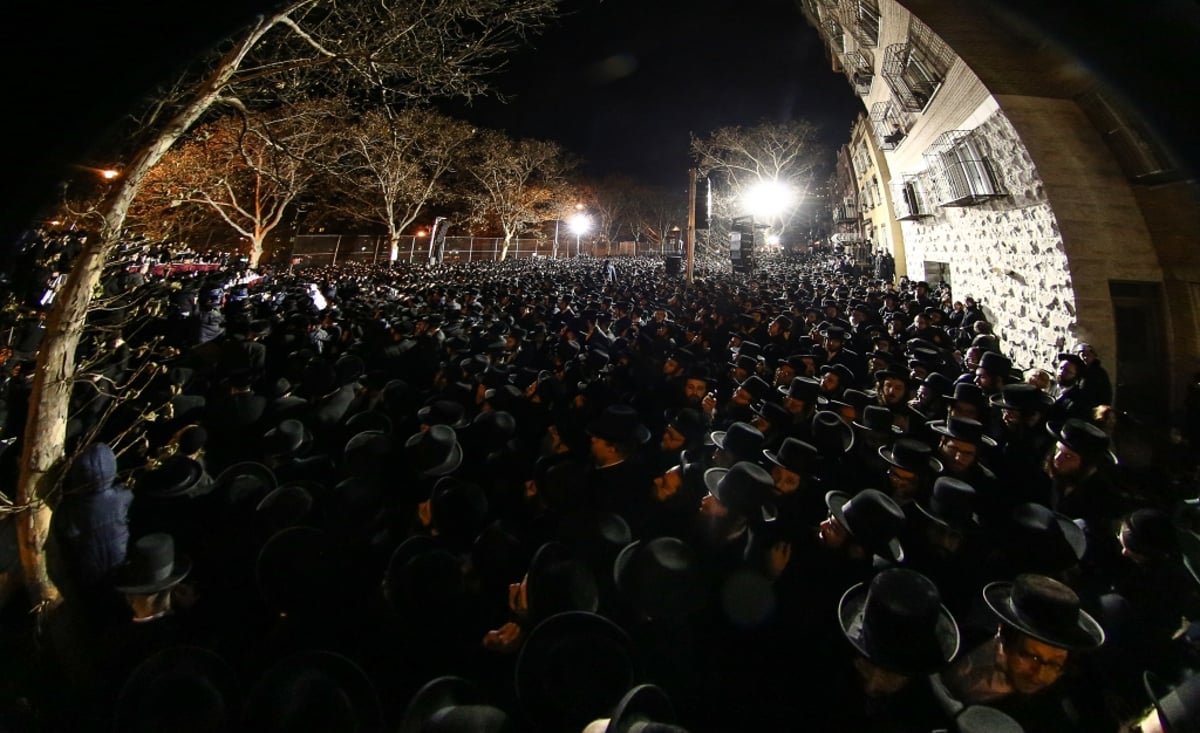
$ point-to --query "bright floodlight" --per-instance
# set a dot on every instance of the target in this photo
(108, 174)
(580, 224)
(773, 239)
(768, 199)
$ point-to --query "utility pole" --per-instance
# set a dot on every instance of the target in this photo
(691, 223)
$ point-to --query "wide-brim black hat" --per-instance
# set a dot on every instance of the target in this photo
(890, 549)
(454, 703)
(662, 577)
(314, 686)
(177, 683)
(176, 476)
(151, 566)
(1084, 438)
(644, 704)
(618, 424)
(1045, 609)
(1179, 708)
(574, 668)
(434, 452)
(897, 633)
(245, 483)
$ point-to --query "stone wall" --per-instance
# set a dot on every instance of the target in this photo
(1008, 253)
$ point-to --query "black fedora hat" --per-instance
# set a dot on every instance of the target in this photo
(898, 622)
(1045, 609)
(968, 392)
(911, 455)
(176, 685)
(662, 577)
(742, 440)
(794, 455)
(644, 709)
(444, 412)
(313, 690)
(996, 364)
(951, 503)
(290, 437)
(965, 429)
(801, 388)
(831, 435)
(1178, 709)
(176, 476)
(596, 538)
(368, 420)
(1022, 396)
(245, 483)
(689, 421)
(558, 582)
(1084, 438)
(893, 370)
(434, 452)
(756, 387)
(1046, 534)
(451, 705)
(1151, 533)
(574, 668)
(872, 518)
(744, 489)
(877, 419)
(151, 566)
(844, 373)
(619, 424)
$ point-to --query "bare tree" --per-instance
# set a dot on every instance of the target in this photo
(390, 52)
(245, 169)
(393, 166)
(518, 183)
(740, 158)
(656, 211)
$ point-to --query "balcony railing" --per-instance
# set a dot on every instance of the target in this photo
(970, 182)
(909, 200)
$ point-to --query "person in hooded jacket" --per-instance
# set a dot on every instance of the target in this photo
(91, 523)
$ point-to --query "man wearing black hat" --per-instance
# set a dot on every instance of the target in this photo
(833, 353)
(1071, 400)
(1021, 669)
(899, 633)
(1023, 443)
(619, 482)
(1079, 471)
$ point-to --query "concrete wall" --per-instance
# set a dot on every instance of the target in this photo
(1008, 253)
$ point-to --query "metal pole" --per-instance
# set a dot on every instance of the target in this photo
(555, 253)
(336, 246)
(691, 223)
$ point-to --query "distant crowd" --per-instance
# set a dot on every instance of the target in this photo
(568, 495)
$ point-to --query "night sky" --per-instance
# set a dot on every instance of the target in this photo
(621, 83)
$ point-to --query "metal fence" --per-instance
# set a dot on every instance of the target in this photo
(329, 249)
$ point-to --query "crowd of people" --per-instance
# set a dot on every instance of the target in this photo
(560, 495)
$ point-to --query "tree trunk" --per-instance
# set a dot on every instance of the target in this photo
(504, 249)
(256, 251)
(43, 443)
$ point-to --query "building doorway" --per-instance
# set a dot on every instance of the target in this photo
(1142, 382)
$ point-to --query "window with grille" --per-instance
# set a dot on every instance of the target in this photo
(890, 123)
(965, 171)
(909, 199)
(914, 70)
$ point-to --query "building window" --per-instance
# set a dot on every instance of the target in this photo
(859, 67)
(861, 18)
(891, 124)
(914, 70)
(909, 199)
(965, 171)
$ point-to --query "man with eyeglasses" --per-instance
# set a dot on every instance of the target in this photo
(1018, 671)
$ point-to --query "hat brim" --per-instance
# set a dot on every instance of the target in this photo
(187, 661)
(452, 462)
(439, 693)
(555, 689)
(1104, 456)
(836, 501)
(642, 704)
(180, 570)
(1086, 634)
(943, 428)
(889, 456)
(941, 651)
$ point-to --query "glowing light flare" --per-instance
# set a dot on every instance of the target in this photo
(580, 224)
(768, 199)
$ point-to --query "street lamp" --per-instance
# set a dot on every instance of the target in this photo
(768, 199)
(580, 224)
